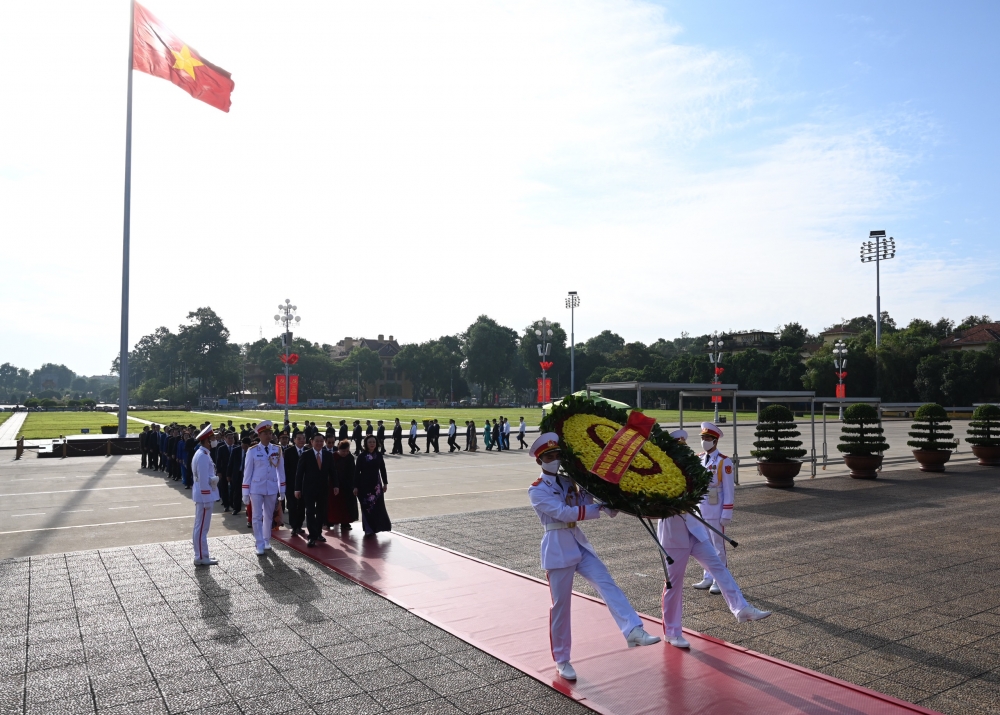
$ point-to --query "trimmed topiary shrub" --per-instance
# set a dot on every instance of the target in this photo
(862, 434)
(931, 429)
(775, 436)
(984, 429)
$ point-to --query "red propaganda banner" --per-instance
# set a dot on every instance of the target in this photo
(623, 447)
(279, 389)
(159, 52)
(547, 397)
(293, 389)
(716, 398)
(841, 391)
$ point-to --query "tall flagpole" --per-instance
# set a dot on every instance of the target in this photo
(123, 354)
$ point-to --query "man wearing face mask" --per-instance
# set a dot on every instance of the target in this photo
(716, 506)
(205, 494)
(566, 551)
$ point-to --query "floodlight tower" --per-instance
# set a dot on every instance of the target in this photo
(840, 363)
(544, 333)
(715, 357)
(878, 248)
(572, 302)
(286, 317)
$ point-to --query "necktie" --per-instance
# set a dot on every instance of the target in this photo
(319, 461)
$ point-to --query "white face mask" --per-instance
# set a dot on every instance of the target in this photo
(214, 443)
(551, 467)
(707, 445)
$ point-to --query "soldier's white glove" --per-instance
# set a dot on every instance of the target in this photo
(610, 512)
(725, 520)
(246, 498)
(213, 480)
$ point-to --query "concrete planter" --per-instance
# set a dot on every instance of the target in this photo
(863, 466)
(780, 475)
(988, 456)
(931, 460)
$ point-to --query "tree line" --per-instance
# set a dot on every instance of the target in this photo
(497, 363)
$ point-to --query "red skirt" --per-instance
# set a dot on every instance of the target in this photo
(341, 509)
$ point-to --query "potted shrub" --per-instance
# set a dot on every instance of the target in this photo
(862, 442)
(984, 435)
(777, 450)
(932, 437)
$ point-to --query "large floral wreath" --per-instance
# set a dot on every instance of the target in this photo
(664, 480)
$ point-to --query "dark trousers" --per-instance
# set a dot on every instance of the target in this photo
(224, 491)
(315, 502)
(357, 446)
(236, 492)
(520, 438)
(381, 444)
(145, 456)
(296, 510)
(451, 443)
(397, 445)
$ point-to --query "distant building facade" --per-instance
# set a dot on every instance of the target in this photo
(760, 340)
(393, 384)
(974, 338)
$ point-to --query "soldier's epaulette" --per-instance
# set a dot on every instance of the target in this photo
(536, 482)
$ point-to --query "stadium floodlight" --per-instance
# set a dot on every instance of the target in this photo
(572, 302)
(876, 249)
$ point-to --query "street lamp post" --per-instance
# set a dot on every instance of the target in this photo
(572, 302)
(715, 357)
(878, 248)
(286, 317)
(840, 363)
(544, 349)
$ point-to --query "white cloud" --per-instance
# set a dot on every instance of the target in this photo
(401, 168)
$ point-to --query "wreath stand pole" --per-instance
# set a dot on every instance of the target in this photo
(731, 541)
(664, 556)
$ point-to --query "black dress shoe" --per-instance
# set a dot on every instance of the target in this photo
(321, 538)
(310, 543)
(346, 527)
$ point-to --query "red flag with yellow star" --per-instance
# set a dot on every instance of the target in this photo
(159, 52)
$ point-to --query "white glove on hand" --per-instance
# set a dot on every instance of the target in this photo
(246, 498)
(724, 521)
(610, 512)
(213, 481)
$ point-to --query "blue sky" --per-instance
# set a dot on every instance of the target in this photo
(401, 168)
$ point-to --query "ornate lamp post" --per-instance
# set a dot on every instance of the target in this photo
(840, 364)
(286, 317)
(715, 357)
(544, 350)
(572, 302)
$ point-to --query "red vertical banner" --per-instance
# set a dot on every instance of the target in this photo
(279, 389)
(841, 391)
(293, 389)
(545, 396)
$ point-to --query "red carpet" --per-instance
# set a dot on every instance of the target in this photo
(506, 614)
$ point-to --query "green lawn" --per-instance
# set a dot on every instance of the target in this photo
(47, 425)
(4, 416)
(531, 416)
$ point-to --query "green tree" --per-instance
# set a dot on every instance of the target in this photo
(490, 351)
(206, 350)
(52, 376)
(606, 342)
(363, 364)
(527, 349)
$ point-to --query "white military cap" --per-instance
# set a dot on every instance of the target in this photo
(266, 424)
(545, 443)
(709, 428)
(206, 433)
(679, 434)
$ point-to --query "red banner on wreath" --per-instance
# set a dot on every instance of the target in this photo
(841, 391)
(547, 397)
(293, 389)
(623, 447)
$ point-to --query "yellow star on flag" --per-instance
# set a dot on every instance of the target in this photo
(185, 62)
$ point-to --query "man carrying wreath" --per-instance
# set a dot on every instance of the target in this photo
(566, 551)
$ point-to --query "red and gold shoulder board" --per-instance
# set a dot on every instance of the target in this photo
(536, 482)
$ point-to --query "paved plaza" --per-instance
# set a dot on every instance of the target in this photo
(891, 584)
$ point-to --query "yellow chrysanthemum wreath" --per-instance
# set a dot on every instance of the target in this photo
(643, 477)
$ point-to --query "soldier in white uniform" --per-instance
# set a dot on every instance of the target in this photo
(682, 537)
(205, 493)
(680, 435)
(566, 551)
(263, 484)
(716, 506)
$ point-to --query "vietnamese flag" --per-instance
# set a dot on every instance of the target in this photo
(159, 52)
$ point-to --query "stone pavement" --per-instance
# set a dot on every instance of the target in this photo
(892, 584)
(10, 427)
(141, 630)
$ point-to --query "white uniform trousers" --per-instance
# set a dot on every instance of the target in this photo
(263, 504)
(199, 535)
(596, 574)
(719, 543)
(673, 598)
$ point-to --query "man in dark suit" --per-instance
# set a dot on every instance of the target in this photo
(222, 454)
(343, 431)
(380, 436)
(144, 445)
(296, 507)
(236, 462)
(356, 436)
(330, 431)
(173, 469)
(312, 478)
